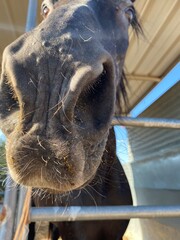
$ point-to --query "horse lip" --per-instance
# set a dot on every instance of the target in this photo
(87, 182)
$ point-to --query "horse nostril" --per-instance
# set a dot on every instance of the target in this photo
(83, 77)
(93, 108)
(86, 103)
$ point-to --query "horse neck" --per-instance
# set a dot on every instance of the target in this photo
(109, 158)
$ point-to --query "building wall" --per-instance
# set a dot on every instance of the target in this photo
(154, 168)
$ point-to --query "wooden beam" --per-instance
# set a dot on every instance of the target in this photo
(10, 20)
(10, 28)
(143, 78)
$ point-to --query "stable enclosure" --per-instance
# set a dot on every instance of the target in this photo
(154, 155)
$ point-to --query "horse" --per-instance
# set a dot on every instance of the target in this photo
(60, 85)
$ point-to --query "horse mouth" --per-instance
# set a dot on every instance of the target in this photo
(63, 193)
(40, 165)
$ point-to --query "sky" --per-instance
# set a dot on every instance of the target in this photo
(2, 137)
(169, 81)
(121, 133)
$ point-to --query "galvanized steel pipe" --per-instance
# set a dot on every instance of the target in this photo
(31, 15)
(89, 213)
(9, 207)
(21, 199)
(147, 122)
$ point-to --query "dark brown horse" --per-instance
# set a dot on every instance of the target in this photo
(59, 86)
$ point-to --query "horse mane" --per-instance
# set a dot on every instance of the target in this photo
(122, 103)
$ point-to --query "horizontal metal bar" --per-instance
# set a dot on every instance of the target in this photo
(78, 213)
(147, 122)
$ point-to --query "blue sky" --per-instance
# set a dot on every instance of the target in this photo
(2, 137)
(169, 81)
(121, 133)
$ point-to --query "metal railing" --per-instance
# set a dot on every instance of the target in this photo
(147, 122)
(78, 213)
(8, 211)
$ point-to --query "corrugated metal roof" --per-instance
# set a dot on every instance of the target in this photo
(148, 59)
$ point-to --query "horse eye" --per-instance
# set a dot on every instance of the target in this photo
(45, 10)
(130, 14)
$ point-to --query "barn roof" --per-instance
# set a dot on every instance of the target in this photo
(148, 60)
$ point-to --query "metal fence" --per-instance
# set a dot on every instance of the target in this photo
(78, 213)
(8, 211)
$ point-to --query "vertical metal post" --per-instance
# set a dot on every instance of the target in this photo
(22, 196)
(9, 207)
(31, 15)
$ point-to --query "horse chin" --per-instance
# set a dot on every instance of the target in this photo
(66, 192)
(51, 186)
(57, 166)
